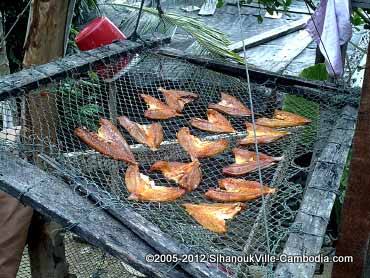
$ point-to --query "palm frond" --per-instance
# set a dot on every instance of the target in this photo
(207, 38)
(149, 24)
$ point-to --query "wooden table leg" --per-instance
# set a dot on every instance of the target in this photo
(47, 250)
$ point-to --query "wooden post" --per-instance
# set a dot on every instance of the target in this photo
(46, 39)
(355, 229)
(46, 249)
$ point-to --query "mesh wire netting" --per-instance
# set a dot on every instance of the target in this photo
(85, 261)
(49, 116)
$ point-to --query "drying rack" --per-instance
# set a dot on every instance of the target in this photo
(33, 172)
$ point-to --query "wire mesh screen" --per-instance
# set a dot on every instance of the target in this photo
(43, 122)
(85, 261)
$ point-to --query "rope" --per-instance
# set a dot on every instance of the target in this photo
(254, 132)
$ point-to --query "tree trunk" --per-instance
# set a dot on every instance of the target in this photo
(46, 34)
(47, 250)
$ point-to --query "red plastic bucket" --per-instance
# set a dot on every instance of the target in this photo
(101, 31)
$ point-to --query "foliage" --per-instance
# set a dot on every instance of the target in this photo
(356, 19)
(339, 201)
(81, 14)
(273, 5)
(270, 6)
(79, 107)
(82, 10)
(11, 12)
(315, 72)
(220, 3)
(359, 17)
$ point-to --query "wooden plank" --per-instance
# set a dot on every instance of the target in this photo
(363, 4)
(208, 8)
(269, 35)
(21, 82)
(354, 232)
(55, 199)
(337, 97)
(302, 61)
(308, 229)
(297, 7)
(358, 76)
(289, 48)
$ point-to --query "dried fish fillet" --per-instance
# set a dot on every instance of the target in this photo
(108, 141)
(157, 109)
(238, 190)
(213, 216)
(230, 105)
(246, 162)
(150, 135)
(177, 99)
(283, 119)
(187, 175)
(198, 148)
(216, 122)
(264, 135)
(142, 188)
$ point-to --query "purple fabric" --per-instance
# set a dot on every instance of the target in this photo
(330, 27)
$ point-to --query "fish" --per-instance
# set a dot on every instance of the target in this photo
(177, 99)
(198, 148)
(157, 109)
(246, 162)
(283, 119)
(142, 188)
(150, 135)
(216, 123)
(231, 105)
(238, 190)
(264, 135)
(213, 216)
(108, 141)
(186, 175)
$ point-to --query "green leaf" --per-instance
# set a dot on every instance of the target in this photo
(89, 110)
(270, 10)
(316, 72)
(356, 20)
(93, 76)
(220, 3)
(259, 19)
